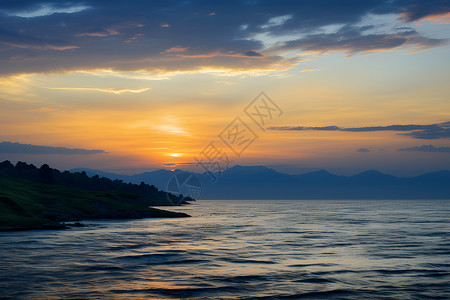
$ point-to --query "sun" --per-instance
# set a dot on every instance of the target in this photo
(175, 154)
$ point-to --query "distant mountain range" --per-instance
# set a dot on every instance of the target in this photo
(258, 182)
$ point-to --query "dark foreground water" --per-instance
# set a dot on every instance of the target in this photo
(241, 250)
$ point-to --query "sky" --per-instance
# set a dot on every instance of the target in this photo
(298, 86)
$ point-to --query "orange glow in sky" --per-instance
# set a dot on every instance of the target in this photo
(153, 92)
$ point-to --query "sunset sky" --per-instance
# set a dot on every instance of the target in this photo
(361, 84)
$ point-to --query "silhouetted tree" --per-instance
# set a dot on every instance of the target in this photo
(145, 194)
(7, 168)
(46, 174)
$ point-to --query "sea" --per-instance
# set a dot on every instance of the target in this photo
(249, 249)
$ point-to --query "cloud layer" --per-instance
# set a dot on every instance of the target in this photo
(427, 132)
(17, 148)
(426, 148)
(178, 36)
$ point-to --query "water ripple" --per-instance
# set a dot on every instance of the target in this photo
(241, 250)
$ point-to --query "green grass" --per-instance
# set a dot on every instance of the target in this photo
(22, 202)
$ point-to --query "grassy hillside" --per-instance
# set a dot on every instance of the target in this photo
(25, 203)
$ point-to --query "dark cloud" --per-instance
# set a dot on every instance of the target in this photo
(17, 40)
(426, 148)
(418, 10)
(363, 150)
(356, 129)
(351, 39)
(391, 128)
(326, 128)
(252, 53)
(433, 131)
(16, 148)
(135, 35)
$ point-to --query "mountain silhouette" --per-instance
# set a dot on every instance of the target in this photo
(259, 182)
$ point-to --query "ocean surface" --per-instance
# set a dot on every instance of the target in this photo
(241, 250)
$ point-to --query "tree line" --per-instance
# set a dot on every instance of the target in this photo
(147, 194)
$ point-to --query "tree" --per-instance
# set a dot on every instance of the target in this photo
(46, 174)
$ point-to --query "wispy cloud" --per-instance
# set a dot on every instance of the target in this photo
(175, 49)
(44, 110)
(309, 70)
(171, 127)
(116, 91)
(42, 10)
(276, 21)
(363, 150)
(111, 30)
(432, 131)
(426, 148)
(18, 148)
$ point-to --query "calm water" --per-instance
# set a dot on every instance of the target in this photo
(241, 250)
